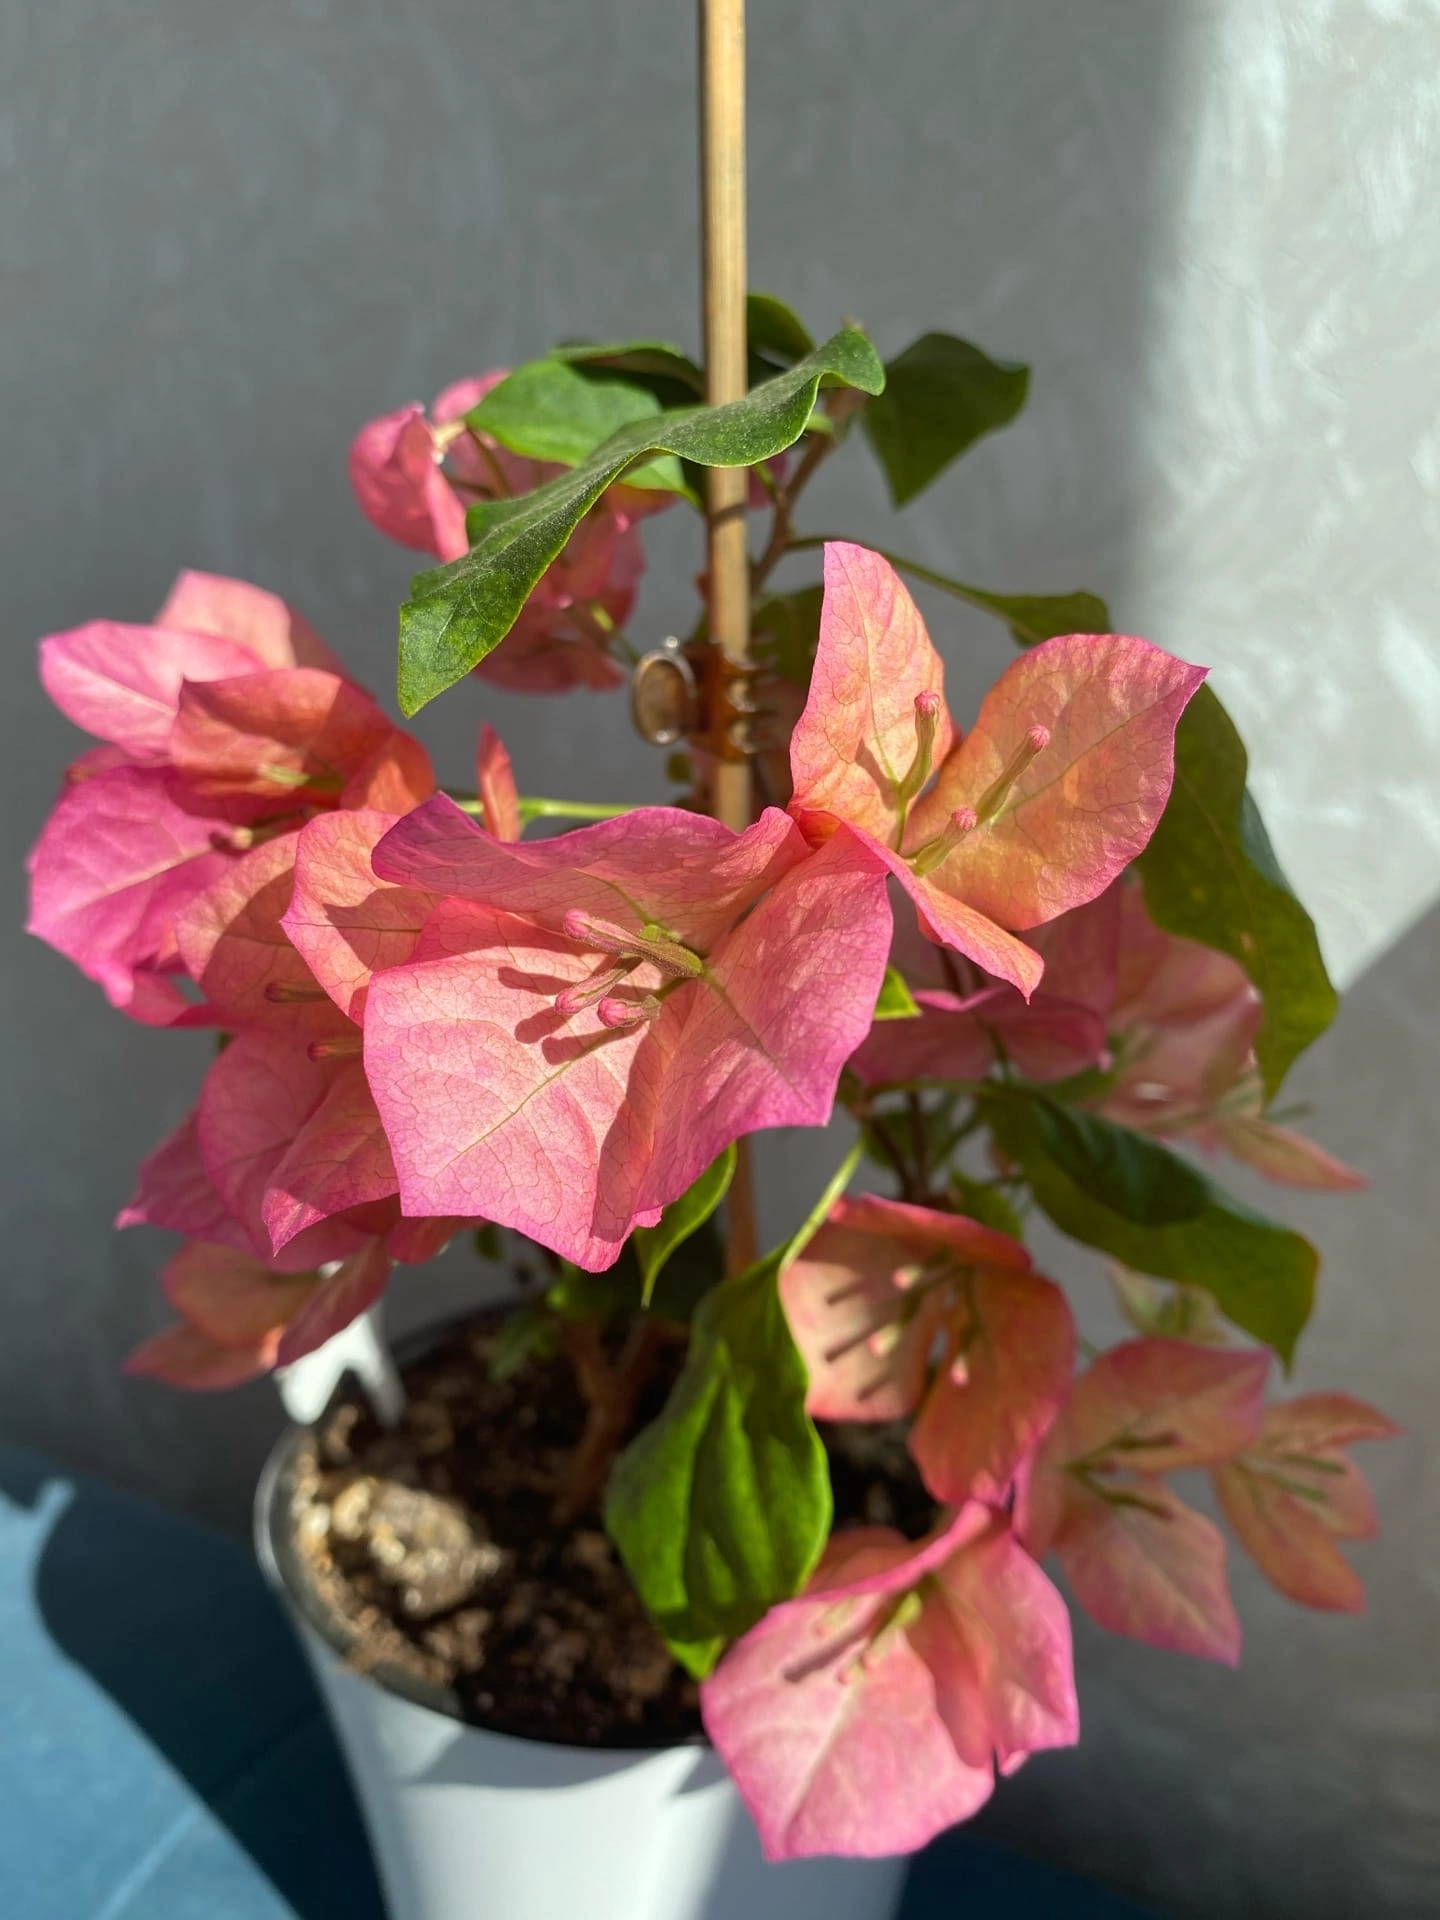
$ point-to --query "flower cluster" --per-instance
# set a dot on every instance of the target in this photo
(428, 1021)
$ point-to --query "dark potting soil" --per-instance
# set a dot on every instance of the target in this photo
(433, 1549)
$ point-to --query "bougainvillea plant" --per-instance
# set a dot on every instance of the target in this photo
(1041, 955)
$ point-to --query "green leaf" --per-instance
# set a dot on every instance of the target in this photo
(978, 1200)
(551, 410)
(1210, 875)
(1031, 617)
(1173, 1311)
(1261, 1274)
(654, 1245)
(941, 396)
(896, 1002)
(776, 336)
(459, 613)
(579, 1295)
(721, 1507)
(1121, 1169)
(690, 1272)
(529, 1333)
(665, 369)
(786, 629)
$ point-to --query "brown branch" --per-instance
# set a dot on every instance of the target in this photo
(782, 526)
(610, 1390)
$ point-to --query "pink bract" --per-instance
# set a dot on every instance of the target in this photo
(123, 683)
(495, 785)
(120, 858)
(347, 923)
(1056, 789)
(1295, 1493)
(238, 1319)
(1140, 1561)
(873, 1711)
(216, 738)
(233, 943)
(968, 1019)
(897, 1308)
(535, 1066)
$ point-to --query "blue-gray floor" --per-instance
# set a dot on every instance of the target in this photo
(164, 1756)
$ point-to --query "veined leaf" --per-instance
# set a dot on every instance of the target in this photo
(1261, 1274)
(941, 396)
(457, 614)
(552, 410)
(654, 1245)
(896, 1001)
(1210, 875)
(1031, 617)
(722, 1506)
(786, 632)
(775, 335)
(1132, 1175)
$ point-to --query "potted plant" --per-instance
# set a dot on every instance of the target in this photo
(803, 1498)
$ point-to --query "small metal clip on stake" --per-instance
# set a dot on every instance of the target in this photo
(664, 695)
(696, 693)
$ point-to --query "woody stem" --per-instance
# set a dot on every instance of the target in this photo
(782, 527)
(610, 1390)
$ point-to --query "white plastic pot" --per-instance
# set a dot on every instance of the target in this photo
(466, 1824)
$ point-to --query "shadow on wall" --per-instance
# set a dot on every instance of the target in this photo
(238, 232)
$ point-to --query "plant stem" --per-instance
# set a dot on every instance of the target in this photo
(815, 1219)
(787, 494)
(610, 1391)
(533, 808)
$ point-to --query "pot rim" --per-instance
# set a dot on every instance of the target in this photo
(285, 1571)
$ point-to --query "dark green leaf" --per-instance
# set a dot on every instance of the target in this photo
(459, 613)
(697, 1265)
(654, 1245)
(658, 366)
(896, 1002)
(488, 1244)
(578, 1295)
(775, 335)
(787, 632)
(1121, 1169)
(980, 1201)
(551, 410)
(721, 1507)
(1031, 617)
(1261, 1274)
(1210, 875)
(941, 395)
(529, 1333)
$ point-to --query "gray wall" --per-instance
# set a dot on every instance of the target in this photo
(230, 233)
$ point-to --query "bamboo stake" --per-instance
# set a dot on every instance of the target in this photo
(722, 213)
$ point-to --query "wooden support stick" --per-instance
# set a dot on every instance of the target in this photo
(722, 213)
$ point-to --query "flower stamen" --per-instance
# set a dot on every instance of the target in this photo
(995, 795)
(650, 943)
(928, 708)
(927, 858)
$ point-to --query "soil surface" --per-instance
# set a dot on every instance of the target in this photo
(433, 1548)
